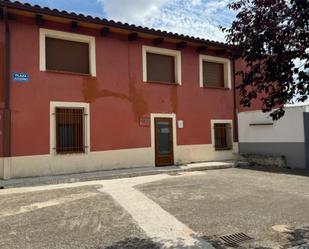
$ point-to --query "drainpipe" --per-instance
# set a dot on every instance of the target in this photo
(7, 98)
(235, 102)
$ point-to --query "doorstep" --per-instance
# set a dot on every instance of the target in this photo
(113, 174)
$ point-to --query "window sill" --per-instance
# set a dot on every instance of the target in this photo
(68, 153)
(162, 83)
(69, 73)
(217, 88)
(224, 148)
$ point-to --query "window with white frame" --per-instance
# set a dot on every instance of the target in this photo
(69, 127)
(67, 52)
(161, 65)
(215, 72)
(222, 134)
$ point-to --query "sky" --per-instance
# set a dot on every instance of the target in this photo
(198, 18)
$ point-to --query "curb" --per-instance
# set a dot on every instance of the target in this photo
(94, 176)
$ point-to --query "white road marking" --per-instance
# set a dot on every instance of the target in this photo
(157, 223)
(49, 203)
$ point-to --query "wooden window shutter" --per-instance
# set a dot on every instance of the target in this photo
(67, 56)
(213, 74)
(160, 68)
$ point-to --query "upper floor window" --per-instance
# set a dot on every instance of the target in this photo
(161, 65)
(67, 52)
(215, 72)
(68, 56)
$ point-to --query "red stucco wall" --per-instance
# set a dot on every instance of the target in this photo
(117, 96)
(256, 104)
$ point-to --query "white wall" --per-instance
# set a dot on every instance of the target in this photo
(289, 128)
(1, 168)
(40, 165)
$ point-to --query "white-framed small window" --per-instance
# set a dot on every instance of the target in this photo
(222, 134)
(215, 72)
(69, 128)
(67, 52)
(161, 65)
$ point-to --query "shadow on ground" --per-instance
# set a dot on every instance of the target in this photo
(133, 243)
(296, 237)
(277, 170)
(138, 243)
(215, 242)
(218, 244)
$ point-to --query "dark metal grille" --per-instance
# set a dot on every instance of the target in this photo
(235, 239)
(70, 130)
(223, 136)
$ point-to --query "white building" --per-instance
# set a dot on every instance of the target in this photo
(289, 136)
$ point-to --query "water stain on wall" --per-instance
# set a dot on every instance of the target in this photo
(92, 92)
(174, 98)
(139, 104)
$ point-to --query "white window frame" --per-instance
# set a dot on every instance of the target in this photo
(163, 51)
(221, 121)
(69, 37)
(226, 66)
(52, 118)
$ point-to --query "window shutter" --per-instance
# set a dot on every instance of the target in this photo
(160, 68)
(213, 74)
(67, 56)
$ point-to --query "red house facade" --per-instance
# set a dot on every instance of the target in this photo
(84, 94)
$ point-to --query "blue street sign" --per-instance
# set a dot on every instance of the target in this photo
(21, 77)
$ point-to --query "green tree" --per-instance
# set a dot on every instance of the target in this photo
(272, 37)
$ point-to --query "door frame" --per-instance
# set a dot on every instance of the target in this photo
(152, 130)
(171, 155)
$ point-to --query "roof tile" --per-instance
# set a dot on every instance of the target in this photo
(103, 21)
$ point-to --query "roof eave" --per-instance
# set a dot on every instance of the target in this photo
(104, 22)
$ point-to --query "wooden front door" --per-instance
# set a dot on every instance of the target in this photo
(164, 151)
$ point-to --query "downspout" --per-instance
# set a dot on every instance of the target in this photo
(7, 97)
(235, 102)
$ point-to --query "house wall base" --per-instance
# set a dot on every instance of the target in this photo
(294, 153)
(42, 165)
(5, 167)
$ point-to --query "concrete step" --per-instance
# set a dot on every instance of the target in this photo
(113, 174)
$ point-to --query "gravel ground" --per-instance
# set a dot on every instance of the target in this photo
(93, 221)
(270, 207)
(228, 201)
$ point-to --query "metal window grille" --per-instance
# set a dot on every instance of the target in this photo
(70, 130)
(223, 136)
